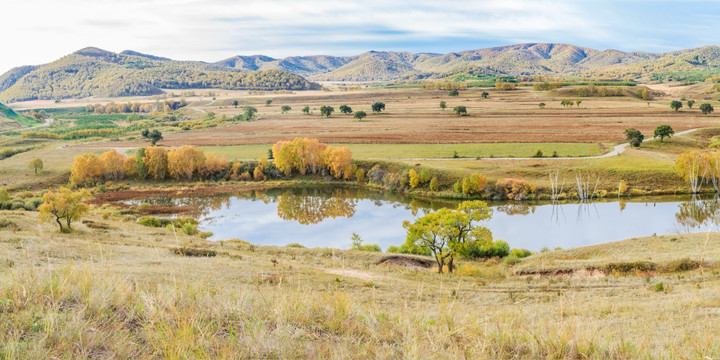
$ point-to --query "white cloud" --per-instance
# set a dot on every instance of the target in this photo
(43, 30)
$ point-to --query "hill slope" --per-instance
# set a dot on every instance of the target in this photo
(96, 72)
(519, 59)
(9, 119)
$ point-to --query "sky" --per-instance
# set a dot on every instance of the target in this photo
(39, 31)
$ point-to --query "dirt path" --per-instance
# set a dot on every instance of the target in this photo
(201, 110)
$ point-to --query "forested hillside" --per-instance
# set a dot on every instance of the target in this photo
(95, 72)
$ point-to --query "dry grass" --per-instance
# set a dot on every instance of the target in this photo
(108, 294)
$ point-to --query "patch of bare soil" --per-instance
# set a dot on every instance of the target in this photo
(407, 261)
(358, 274)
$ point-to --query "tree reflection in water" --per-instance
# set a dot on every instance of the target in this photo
(698, 213)
(312, 206)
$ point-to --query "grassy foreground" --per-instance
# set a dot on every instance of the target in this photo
(120, 292)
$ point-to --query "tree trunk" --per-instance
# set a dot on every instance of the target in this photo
(450, 265)
(439, 261)
(68, 223)
(57, 219)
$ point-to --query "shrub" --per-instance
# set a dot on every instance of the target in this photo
(295, 245)
(515, 189)
(497, 248)
(659, 287)
(434, 184)
(189, 229)
(520, 253)
(472, 185)
(194, 252)
(512, 260)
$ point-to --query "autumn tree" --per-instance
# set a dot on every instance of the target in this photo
(302, 155)
(63, 205)
(664, 131)
(36, 165)
(183, 162)
(359, 115)
(212, 165)
(156, 161)
(112, 164)
(378, 107)
(434, 184)
(326, 110)
(414, 178)
(86, 170)
(338, 160)
(345, 109)
(693, 167)
(447, 231)
(285, 108)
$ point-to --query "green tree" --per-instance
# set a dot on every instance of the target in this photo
(541, 105)
(446, 232)
(268, 102)
(706, 109)
(63, 205)
(434, 184)
(359, 115)
(306, 110)
(250, 112)
(378, 107)
(460, 110)
(485, 94)
(578, 102)
(140, 167)
(635, 137)
(664, 131)
(36, 165)
(285, 109)
(690, 103)
(326, 110)
(443, 105)
(154, 136)
(235, 103)
(676, 105)
(345, 109)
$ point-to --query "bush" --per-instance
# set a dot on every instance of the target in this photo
(189, 229)
(409, 249)
(295, 245)
(515, 189)
(520, 253)
(497, 248)
(17, 205)
(512, 260)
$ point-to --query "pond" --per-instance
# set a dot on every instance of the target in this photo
(327, 217)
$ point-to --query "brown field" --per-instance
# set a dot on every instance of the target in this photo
(413, 116)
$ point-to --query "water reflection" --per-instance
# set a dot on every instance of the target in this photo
(698, 213)
(322, 216)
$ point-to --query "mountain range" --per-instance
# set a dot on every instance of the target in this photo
(96, 72)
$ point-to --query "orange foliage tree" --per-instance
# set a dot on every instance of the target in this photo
(302, 155)
(86, 169)
(183, 162)
(212, 165)
(113, 165)
(156, 160)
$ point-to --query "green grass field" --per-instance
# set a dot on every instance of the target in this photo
(439, 151)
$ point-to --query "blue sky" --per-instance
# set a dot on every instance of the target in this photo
(39, 31)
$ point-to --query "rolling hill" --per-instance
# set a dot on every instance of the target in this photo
(519, 59)
(9, 119)
(96, 72)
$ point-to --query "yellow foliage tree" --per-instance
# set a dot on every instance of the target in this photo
(86, 169)
(337, 160)
(63, 205)
(183, 162)
(130, 166)
(113, 165)
(302, 155)
(212, 165)
(156, 161)
(414, 178)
